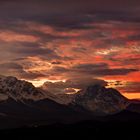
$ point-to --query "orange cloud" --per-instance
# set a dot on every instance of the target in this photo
(10, 36)
(111, 43)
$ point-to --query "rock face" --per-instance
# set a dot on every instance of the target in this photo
(11, 87)
(19, 90)
(64, 99)
(95, 99)
(100, 100)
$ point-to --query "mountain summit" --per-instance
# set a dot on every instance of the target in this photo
(101, 100)
(95, 99)
(11, 87)
(23, 104)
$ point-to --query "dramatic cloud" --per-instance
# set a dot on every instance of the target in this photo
(58, 40)
(130, 87)
(89, 70)
(71, 85)
(17, 70)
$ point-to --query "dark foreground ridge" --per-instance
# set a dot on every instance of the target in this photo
(95, 112)
(85, 129)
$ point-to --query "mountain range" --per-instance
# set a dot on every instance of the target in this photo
(23, 105)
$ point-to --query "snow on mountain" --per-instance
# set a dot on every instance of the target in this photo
(11, 87)
(96, 99)
(101, 100)
(59, 98)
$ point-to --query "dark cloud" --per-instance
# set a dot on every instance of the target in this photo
(56, 62)
(117, 71)
(83, 82)
(27, 49)
(79, 49)
(69, 13)
(101, 69)
(66, 38)
(59, 69)
(13, 69)
(130, 87)
(114, 42)
(132, 61)
(37, 51)
(32, 75)
(135, 37)
(6, 66)
(90, 70)
(71, 84)
(84, 67)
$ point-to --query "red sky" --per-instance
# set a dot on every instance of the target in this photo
(76, 41)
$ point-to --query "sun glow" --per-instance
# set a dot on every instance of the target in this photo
(115, 83)
(38, 83)
(132, 95)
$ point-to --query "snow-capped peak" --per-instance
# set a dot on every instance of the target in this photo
(101, 100)
(18, 89)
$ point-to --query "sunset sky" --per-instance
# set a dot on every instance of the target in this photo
(72, 43)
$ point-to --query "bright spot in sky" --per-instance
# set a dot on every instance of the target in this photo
(38, 83)
(108, 51)
(132, 95)
(115, 83)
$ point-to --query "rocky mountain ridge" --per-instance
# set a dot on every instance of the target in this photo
(11, 87)
(95, 98)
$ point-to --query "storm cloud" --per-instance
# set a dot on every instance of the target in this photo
(61, 40)
(71, 85)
